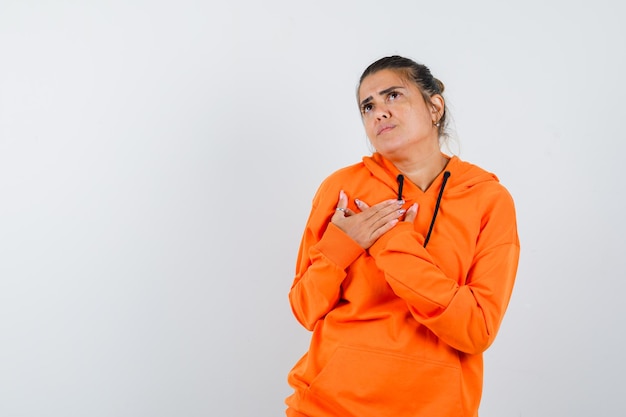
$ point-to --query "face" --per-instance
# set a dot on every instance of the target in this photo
(397, 120)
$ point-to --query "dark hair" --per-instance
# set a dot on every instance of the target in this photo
(419, 74)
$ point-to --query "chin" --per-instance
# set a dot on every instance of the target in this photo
(389, 152)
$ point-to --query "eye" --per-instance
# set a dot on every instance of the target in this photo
(393, 95)
(366, 108)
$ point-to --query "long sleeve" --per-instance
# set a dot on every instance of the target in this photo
(320, 270)
(464, 312)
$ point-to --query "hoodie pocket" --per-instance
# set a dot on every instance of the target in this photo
(363, 382)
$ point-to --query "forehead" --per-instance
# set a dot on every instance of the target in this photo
(379, 81)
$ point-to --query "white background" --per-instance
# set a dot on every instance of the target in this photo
(158, 159)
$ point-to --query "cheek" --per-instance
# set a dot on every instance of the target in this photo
(369, 128)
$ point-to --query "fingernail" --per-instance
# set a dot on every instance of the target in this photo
(402, 211)
(357, 202)
(400, 202)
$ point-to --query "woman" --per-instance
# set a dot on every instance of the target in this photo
(406, 265)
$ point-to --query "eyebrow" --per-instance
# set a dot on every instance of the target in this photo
(380, 93)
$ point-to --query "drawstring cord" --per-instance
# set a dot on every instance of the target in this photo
(446, 175)
(432, 222)
(400, 179)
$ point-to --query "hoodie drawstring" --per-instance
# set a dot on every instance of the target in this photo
(446, 174)
(432, 222)
(400, 179)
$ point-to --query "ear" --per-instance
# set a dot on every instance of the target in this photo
(437, 107)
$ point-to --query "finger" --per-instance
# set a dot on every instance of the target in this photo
(411, 213)
(384, 211)
(383, 229)
(390, 219)
(343, 200)
(345, 212)
(361, 204)
(382, 217)
(376, 207)
(342, 206)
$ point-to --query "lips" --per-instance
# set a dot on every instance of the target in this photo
(384, 128)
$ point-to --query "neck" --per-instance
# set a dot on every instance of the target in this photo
(423, 168)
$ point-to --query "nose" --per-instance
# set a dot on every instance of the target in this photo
(382, 112)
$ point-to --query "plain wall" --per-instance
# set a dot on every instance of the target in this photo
(158, 160)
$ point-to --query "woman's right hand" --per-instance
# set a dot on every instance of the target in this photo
(370, 223)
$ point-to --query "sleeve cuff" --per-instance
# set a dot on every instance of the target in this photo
(338, 247)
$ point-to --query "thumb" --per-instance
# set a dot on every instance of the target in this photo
(411, 213)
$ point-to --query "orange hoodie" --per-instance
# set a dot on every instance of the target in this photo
(399, 329)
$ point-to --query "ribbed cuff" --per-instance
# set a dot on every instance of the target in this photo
(337, 246)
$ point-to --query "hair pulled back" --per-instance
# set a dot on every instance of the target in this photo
(418, 74)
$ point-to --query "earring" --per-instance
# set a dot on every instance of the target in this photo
(436, 124)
